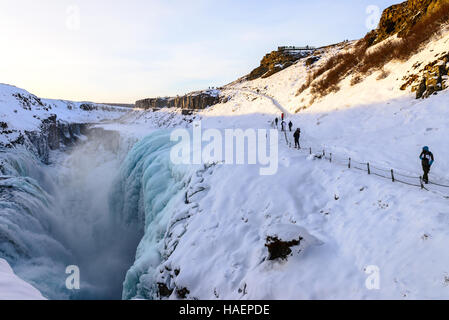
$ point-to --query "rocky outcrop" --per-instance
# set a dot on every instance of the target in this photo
(89, 106)
(399, 18)
(279, 249)
(434, 78)
(29, 101)
(312, 60)
(192, 101)
(53, 135)
(430, 79)
(274, 62)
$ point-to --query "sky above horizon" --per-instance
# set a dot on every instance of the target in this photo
(122, 51)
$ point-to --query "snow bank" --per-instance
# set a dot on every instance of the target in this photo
(14, 288)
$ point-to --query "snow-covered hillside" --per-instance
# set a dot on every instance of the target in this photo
(371, 121)
(214, 247)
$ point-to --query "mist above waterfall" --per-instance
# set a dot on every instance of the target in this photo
(59, 215)
(102, 247)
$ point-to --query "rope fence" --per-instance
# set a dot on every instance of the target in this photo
(394, 175)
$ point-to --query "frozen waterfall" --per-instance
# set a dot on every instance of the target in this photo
(92, 207)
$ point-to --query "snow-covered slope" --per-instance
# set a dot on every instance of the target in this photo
(214, 246)
(371, 121)
(377, 87)
(14, 288)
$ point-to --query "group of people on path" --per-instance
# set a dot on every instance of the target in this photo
(427, 158)
(283, 123)
(297, 133)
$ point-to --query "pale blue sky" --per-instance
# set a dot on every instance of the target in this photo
(121, 51)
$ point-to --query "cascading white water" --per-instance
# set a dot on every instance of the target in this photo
(101, 246)
(27, 219)
(150, 185)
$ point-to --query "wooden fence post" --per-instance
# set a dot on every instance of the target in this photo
(392, 175)
(369, 170)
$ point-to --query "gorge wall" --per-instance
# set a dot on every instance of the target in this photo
(53, 135)
(194, 101)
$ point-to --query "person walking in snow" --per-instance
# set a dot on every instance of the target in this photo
(290, 125)
(283, 125)
(276, 121)
(427, 160)
(297, 135)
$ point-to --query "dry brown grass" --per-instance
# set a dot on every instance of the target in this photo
(361, 62)
(342, 63)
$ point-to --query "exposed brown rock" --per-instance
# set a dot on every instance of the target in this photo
(310, 61)
(409, 80)
(182, 293)
(280, 249)
(164, 291)
(431, 79)
(275, 62)
(399, 18)
(421, 89)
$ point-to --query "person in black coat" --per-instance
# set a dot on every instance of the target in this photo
(297, 135)
(427, 160)
(290, 125)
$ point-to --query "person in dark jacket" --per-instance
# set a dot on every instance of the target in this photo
(276, 121)
(297, 135)
(427, 160)
(290, 125)
(283, 125)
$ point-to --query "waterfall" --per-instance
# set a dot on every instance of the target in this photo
(27, 221)
(56, 215)
(148, 191)
(103, 206)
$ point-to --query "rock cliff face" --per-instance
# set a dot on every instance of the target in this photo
(275, 62)
(425, 79)
(399, 18)
(191, 101)
(53, 135)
